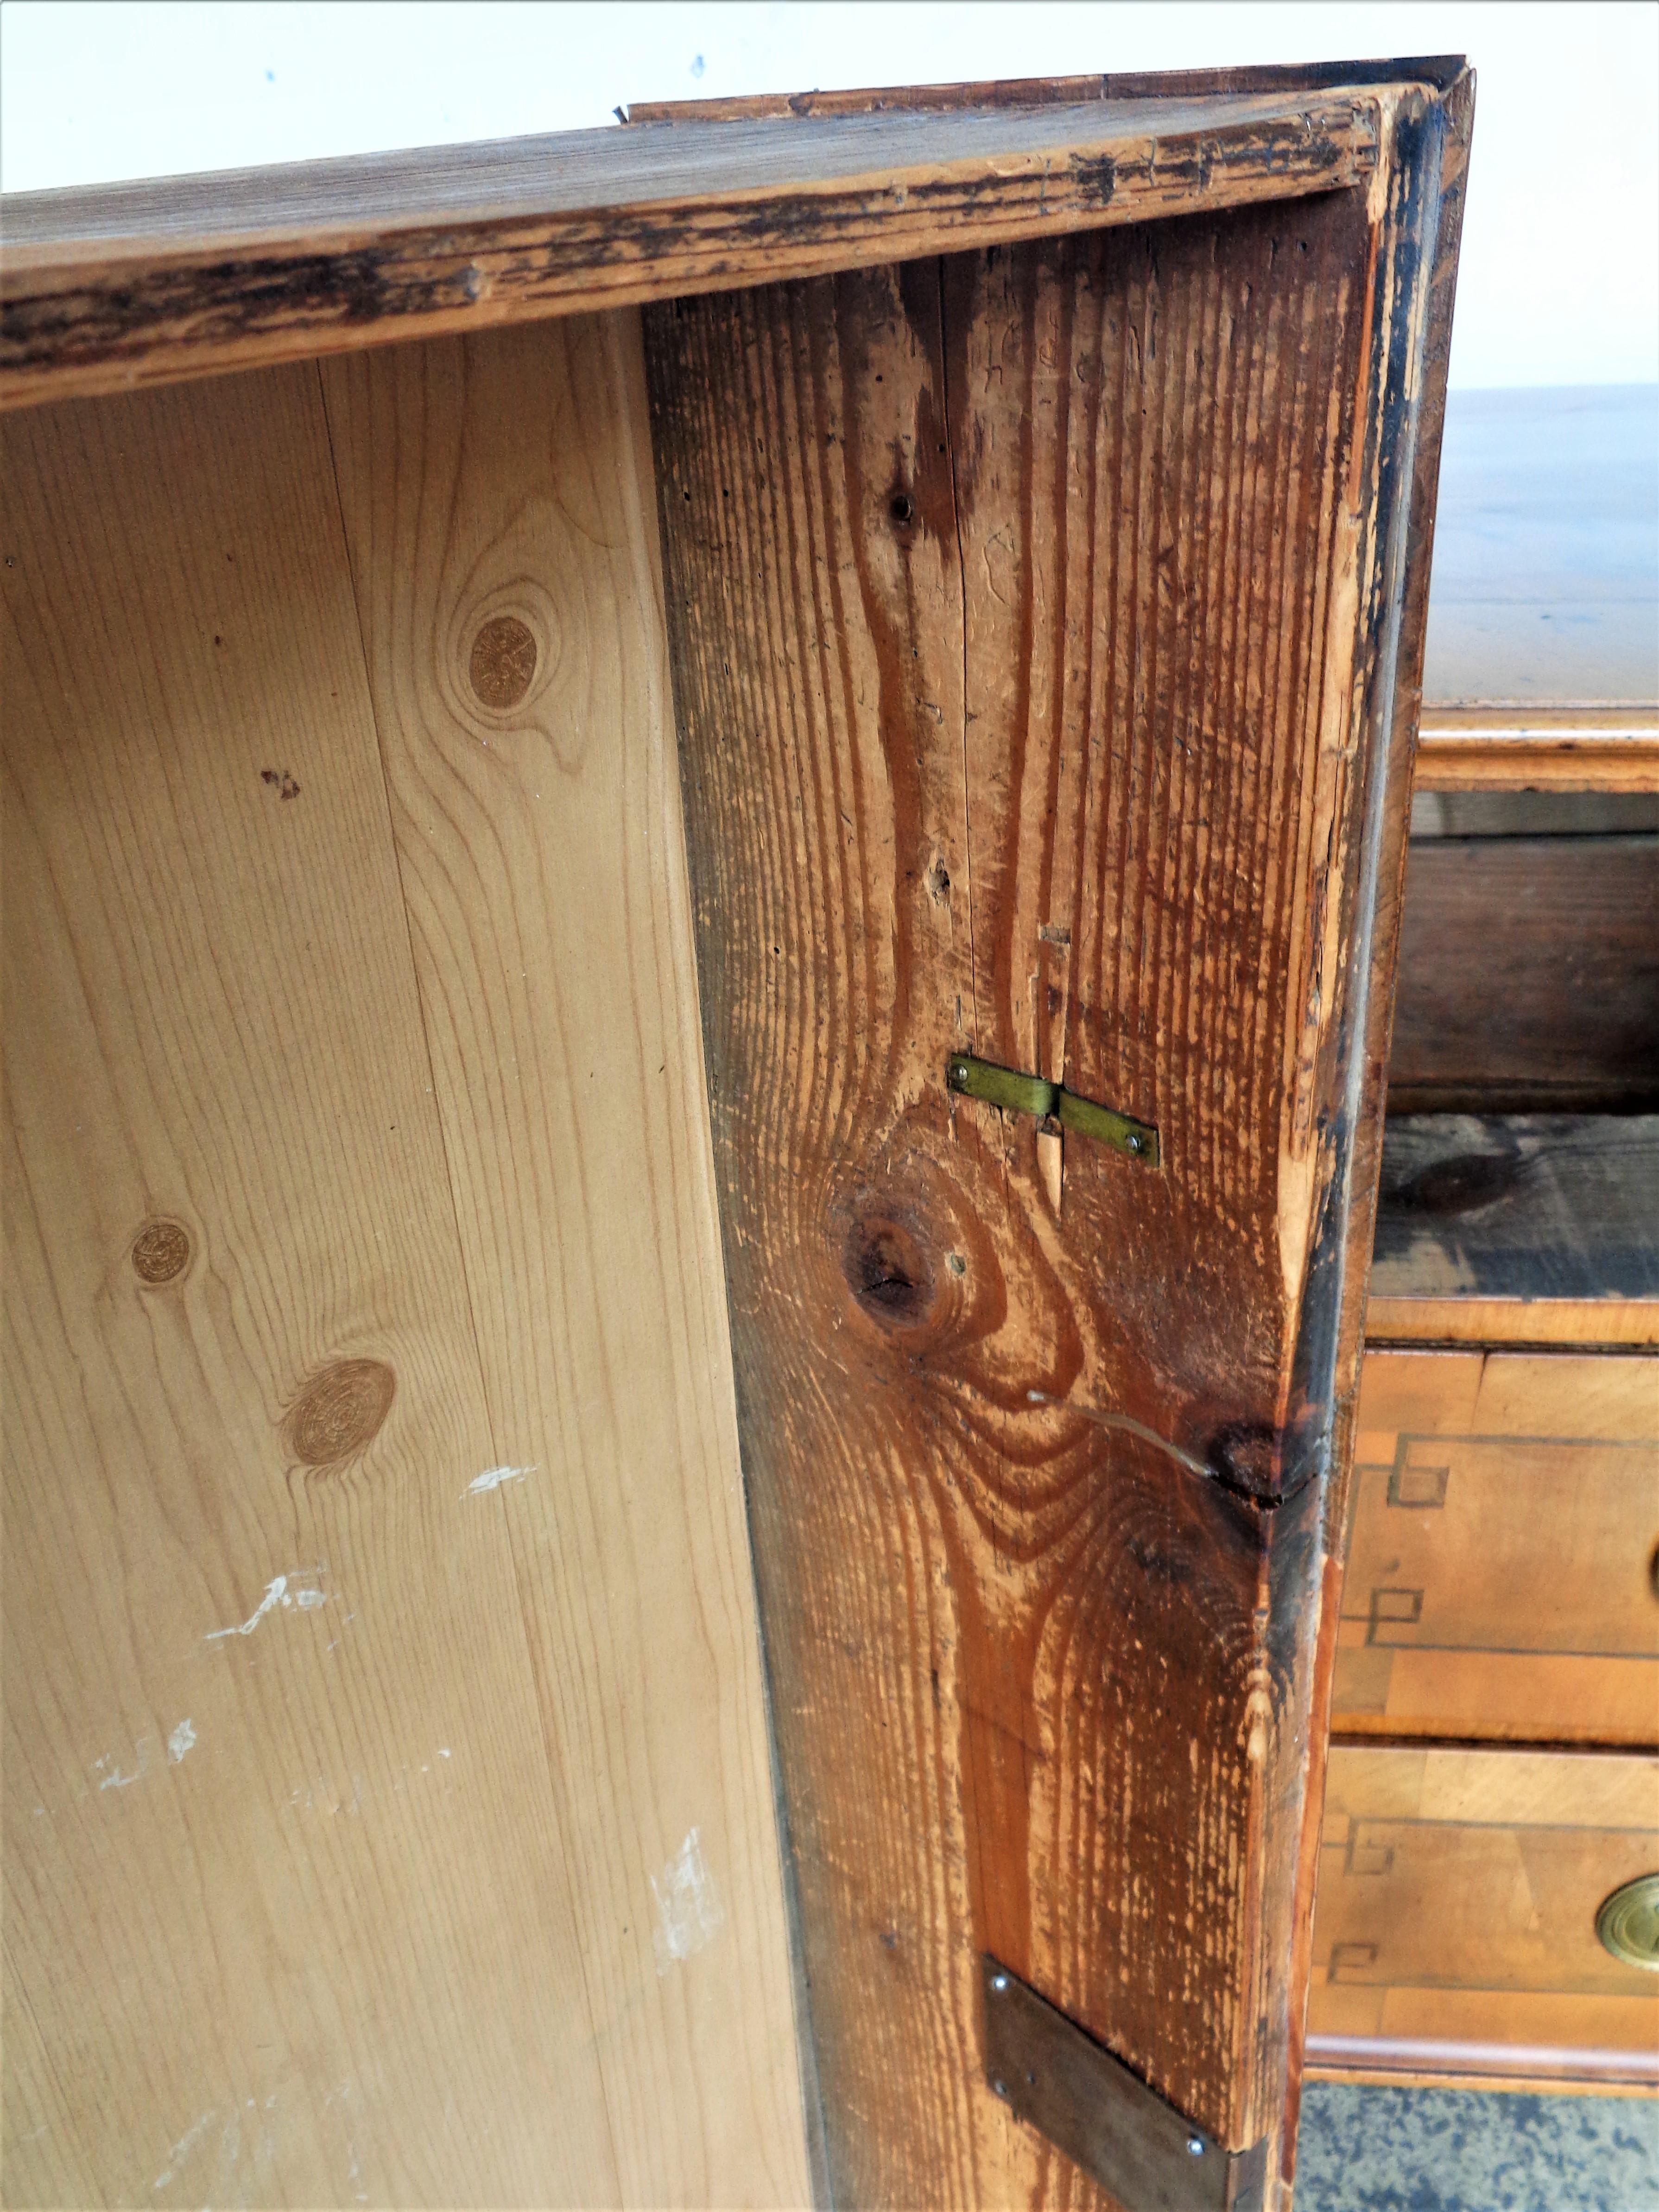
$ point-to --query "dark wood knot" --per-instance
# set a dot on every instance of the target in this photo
(1462, 1184)
(503, 663)
(160, 1252)
(341, 1411)
(888, 1272)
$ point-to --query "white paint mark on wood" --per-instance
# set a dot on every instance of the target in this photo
(277, 1593)
(180, 2150)
(182, 1740)
(689, 1910)
(115, 1780)
(494, 1477)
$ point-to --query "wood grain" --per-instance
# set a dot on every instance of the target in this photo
(1500, 1556)
(1581, 747)
(1457, 1905)
(1543, 2069)
(1438, 69)
(338, 1827)
(1529, 976)
(506, 481)
(1021, 609)
(1520, 1207)
(185, 275)
(1608, 1324)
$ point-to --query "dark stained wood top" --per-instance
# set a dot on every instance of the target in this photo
(1532, 1206)
(1545, 588)
(169, 277)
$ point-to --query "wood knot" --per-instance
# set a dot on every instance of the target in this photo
(341, 1412)
(1462, 1184)
(887, 1271)
(1248, 1456)
(160, 1252)
(503, 662)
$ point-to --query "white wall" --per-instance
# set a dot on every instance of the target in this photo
(1560, 270)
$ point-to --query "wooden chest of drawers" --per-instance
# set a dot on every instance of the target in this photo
(1492, 1779)
(1459, 1891)
(1506, 1510)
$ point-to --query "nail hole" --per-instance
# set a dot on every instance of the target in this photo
(902, 507)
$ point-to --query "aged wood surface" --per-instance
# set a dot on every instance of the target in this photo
(1024, 611)
(1518, 1229)
(1411, 474)
(1609, 1324)
(1584, 747)
(387, 1811)
(1457, 1907)
(181, 276)
(1485, 812)
(1439, 70)
(1524, 1207)
(1529, 976)
(1500, 1556)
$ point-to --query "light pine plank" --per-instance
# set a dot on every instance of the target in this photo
(288, 1915)
(397, 1919)
(498, 505)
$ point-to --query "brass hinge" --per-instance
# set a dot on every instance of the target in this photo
(1051, 1102)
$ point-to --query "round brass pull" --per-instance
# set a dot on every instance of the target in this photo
(1628, 1922)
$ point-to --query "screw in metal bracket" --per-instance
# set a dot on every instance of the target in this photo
(1196, 2145)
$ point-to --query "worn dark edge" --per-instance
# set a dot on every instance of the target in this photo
(1432, 140)
(1438, 71)
(86, 327)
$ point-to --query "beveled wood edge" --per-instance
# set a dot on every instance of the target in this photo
(1401, 2062)
(1569, 746)
(1514, 1324)
(104, 310)
(1434, 173)
(1438, 71)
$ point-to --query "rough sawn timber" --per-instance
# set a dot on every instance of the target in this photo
(1036, 618)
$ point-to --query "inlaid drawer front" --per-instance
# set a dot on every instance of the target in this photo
(1457, 1903)
(1501, 1554)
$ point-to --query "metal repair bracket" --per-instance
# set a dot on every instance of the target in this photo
(1050, 1102)
(1054, 2076)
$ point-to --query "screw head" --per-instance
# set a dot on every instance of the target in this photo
(1196, 2145)
(1134, 1143)
(1001, 2088)
(998, 1983)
